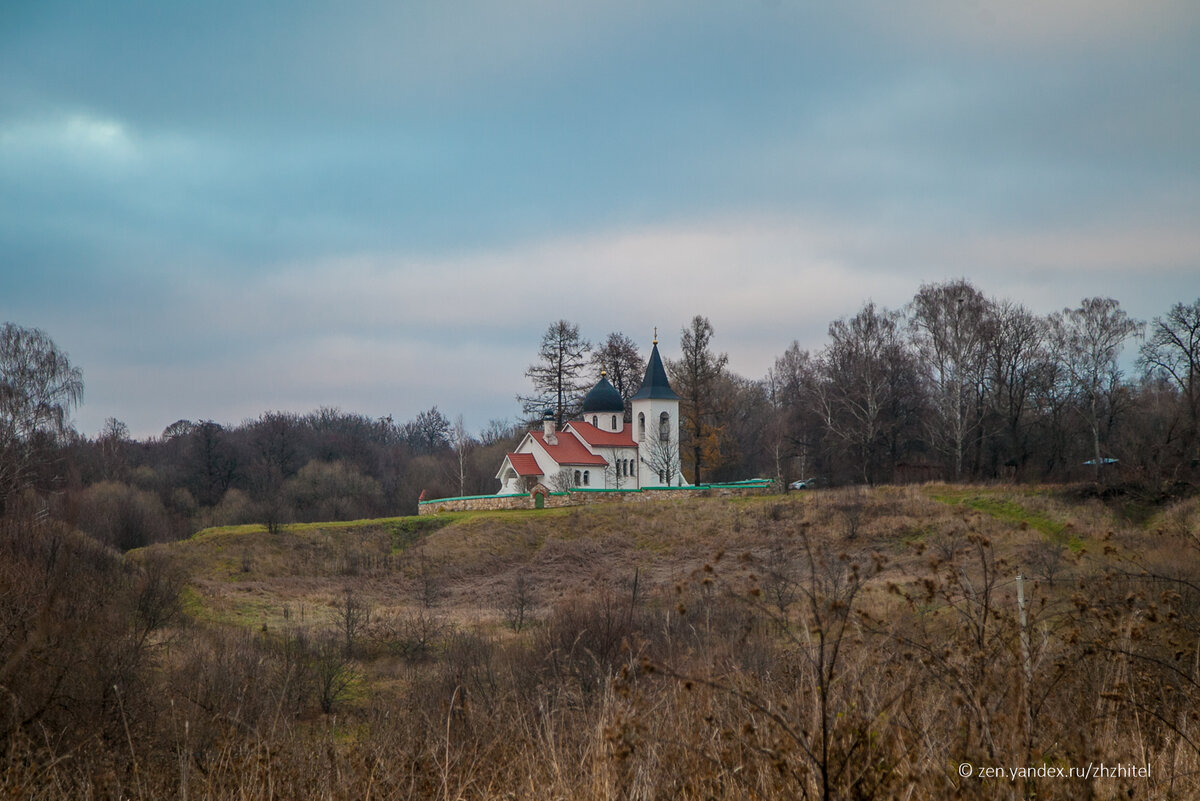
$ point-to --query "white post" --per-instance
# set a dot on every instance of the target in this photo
(1027, 689)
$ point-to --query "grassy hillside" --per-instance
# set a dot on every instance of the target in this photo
(833, 644)
(243, 574)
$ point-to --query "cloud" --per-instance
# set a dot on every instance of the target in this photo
(224, 208)
(85, 139)
(390, 333)
(1033, 26)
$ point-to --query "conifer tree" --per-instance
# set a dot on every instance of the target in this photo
(558, 377)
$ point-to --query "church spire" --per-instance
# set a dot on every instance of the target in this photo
(655, 384)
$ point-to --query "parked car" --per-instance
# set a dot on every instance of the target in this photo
(806, 483)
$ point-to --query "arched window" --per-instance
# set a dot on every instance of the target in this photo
(585, 478)
(664, 427)
(662, 477)
(596, 424)
(614, 423)
(641, 425)
(577, 478)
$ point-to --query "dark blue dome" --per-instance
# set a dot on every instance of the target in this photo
(603, 398)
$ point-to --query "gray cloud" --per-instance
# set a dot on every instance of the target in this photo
(228, 208)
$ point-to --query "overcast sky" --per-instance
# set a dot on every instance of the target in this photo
(223, 208)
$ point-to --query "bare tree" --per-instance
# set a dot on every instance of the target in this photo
(430, 581)
(557, 375)
(795, 429)
(1015, 354)
(1172, 350)
(859, 390)
(38, 390)
(821, 621)
(518, 601)
(618, 357)
(497, 431)
(695, 377)
(353, 615)
(462, 447)
(332, 671)
(1088, 340)
(949, 326)
(781, 575)
(274, 440)
(617, 474)
(428, 432)
(113, 443)
(776, 432)
(212, 462)
(661, 456)
(561, 481)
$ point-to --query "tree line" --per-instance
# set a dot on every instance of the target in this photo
(954, 386)
(958, 386)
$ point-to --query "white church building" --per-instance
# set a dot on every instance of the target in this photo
(600, 450)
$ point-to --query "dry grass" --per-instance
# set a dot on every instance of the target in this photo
(676, 650)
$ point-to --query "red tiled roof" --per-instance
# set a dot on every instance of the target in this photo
(569, 450)
(598, 438)
(524, 464)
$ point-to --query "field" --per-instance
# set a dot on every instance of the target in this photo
(855, 643)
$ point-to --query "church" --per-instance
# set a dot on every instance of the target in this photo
(599, 450)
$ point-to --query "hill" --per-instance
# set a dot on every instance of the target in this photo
(243, 574)
(838, 643)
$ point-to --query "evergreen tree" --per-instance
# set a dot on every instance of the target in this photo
(558, 376)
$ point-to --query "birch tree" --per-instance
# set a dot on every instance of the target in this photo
(38, 390)
(949, 326)
(1088, 340)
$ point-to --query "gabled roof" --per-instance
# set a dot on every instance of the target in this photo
(569, 450)
(602, 439)
(524, 463)
(655, 384)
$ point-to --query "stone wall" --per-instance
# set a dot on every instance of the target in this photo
(587, 497)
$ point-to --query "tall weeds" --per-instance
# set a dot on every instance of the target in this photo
(809, 659)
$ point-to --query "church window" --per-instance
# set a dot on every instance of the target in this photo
(614, 422)
(641, 426)
(664, 427)
(594, 418)
(585, 478)
(577, 478)
(662, 477)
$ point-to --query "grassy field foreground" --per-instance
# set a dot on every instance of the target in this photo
(838, 644)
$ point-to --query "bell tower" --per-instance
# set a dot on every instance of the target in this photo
(656, 426)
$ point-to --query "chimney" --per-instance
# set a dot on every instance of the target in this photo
(548, 428)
